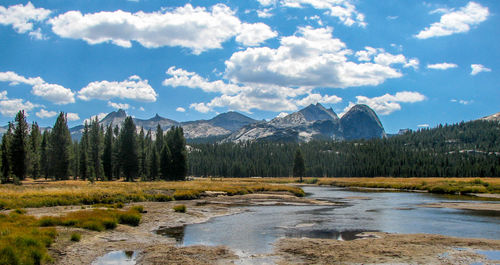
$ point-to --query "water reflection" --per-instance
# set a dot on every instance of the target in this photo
(176, 232)
(117, 257)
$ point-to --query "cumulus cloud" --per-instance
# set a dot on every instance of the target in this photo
(180, 109)
(23, 17)
(42, 114)
(10, 107)
(317, 98)
(118, 105)
(311, 57)
(264, 13)
(478, 68)
(441, 66)
(99, 117)
(381, 57)
(387, 104)
(456, 21)
(425, 125)
(191, 27)
(462, 101)
(72, 116)
(236, 96)
(344, 10)
(133, 88)
(51, 92)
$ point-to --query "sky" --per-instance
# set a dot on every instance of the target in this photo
(416, 63)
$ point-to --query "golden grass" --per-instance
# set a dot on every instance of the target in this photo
(72, 192)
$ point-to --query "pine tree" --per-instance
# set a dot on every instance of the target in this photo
(20, 147)
(178, 152)
(116, 153)
(95, 148)
(128, 150)
(35, 141)
(60, 143)
(298, 165)
(165, 162)
(84, 153)
(153, 164)
(159, 138)
(107, 156)
(44, 155)
(141, 153)
(6, 152)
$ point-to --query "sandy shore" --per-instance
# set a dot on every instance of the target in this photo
(152, 248)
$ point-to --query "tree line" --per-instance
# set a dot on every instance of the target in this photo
(469, 149)
(103, 153)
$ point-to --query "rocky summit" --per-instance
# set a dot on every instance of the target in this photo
(314, 122)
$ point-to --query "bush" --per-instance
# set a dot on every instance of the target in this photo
(129, 218)
(109, 223)
(92, 225)
(76, 237)
(138, 208)
(48, 221)
(181, 208)
(20, 211)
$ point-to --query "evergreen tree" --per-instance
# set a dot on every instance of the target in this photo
(178, 152)
(116, 153)
(159, 138)
(19, 148)
(35, 142)
(6, 152)
(128, 150)
(299, 168)
(60, 143)
(95, 148)
(75, 159)
(165, 162)
(107, 156)
(141, 153)
(153, 164)
(84, 153)
(44, 155)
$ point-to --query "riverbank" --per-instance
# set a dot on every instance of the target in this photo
(384, 248)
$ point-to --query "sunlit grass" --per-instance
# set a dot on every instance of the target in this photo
(33, 194)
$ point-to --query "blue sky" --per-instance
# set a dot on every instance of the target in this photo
(415, 63)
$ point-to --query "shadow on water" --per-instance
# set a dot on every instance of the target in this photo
(176, 232)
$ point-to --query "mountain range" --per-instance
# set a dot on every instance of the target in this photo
(312, 122)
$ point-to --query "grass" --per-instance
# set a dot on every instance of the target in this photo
(22, 241)
(76, 237)
(181, 208)
(433, 185)
(61, 193)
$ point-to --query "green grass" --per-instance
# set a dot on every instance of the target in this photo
(181, 208)
(76, 237)
(96, 219)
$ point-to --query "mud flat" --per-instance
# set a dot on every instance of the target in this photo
(479, 206)
(151, 247)
(384, 248)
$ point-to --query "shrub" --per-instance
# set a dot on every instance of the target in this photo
(129, 218)
(119, 205)
(48, 221)
(20, 211)
(109, 223)
(138, 208)
(181, 208)
(92, 225)
(76, 237)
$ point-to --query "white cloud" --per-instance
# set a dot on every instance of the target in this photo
(317, 98)
(381, 57)
(265, 13)
(72, 116)
(458, 21)
(254, 34)
(23, 17)
(462, 101)
(309, 58)
(425, 125)
(478, 68)
(133, 88)
(282, 114)
(191, 27)
(441, 66)
(200, 107)
(180, 109)
(10, 107)
(267, 2)
(387, 104)
(141, 108)
(118, 105)
(344, 10)
(42, 114)
(51, 92)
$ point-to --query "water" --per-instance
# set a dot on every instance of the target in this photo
(117, 258)
(255, 231)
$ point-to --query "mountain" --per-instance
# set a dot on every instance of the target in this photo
(493, 117)
(221, 125)
(361, 122)
(314, 122)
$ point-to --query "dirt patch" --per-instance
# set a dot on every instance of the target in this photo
(165, 253)
(384, 248)
(465, 206)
